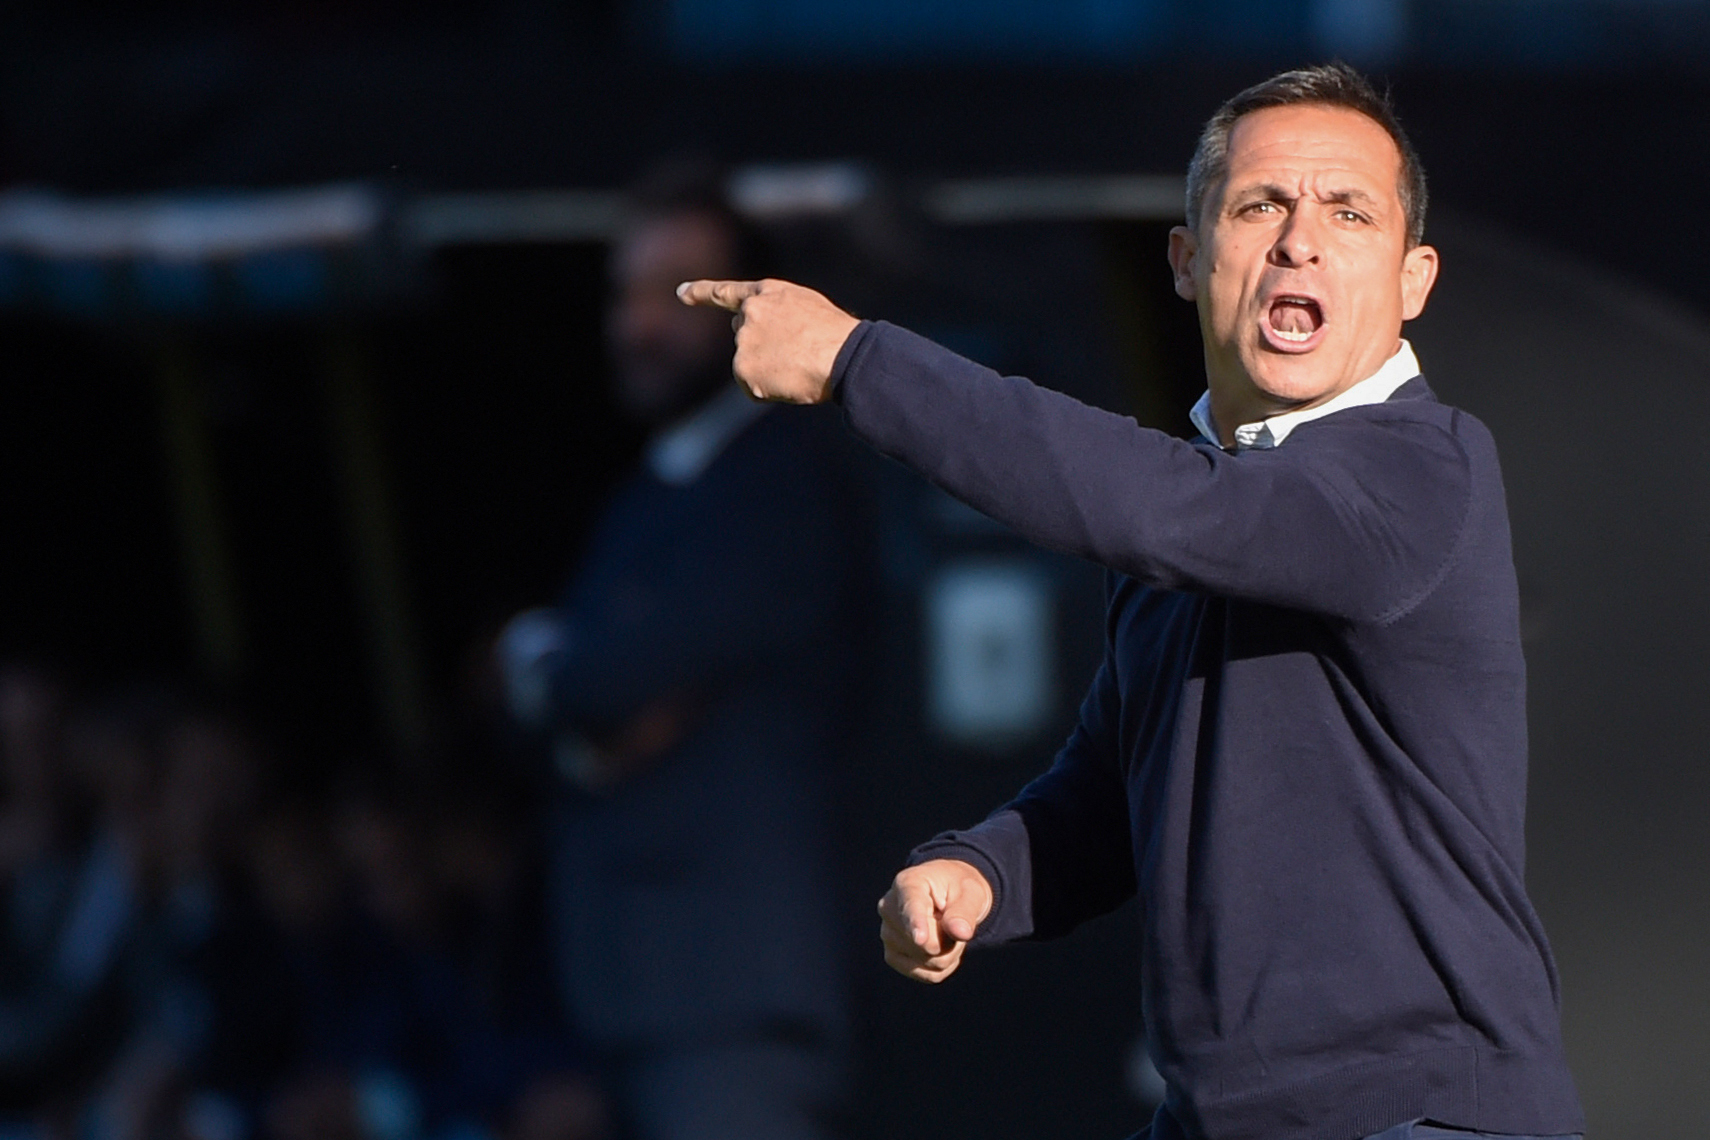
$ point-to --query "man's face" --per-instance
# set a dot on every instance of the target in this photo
(1300, 266)
(666, 354)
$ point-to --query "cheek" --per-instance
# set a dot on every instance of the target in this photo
(1227, 299)
(1381, 298)
(1377, 280)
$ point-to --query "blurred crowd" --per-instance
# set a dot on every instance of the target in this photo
(197, 945)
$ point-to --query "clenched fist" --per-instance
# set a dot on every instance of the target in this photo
(928, 915)
(787, 336)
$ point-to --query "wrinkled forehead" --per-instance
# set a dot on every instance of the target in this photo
(1314, 147)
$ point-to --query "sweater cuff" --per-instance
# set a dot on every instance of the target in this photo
(846, 358)
(1010, 917)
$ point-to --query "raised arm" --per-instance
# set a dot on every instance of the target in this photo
(1359, 525)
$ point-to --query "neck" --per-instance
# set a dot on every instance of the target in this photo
(1230, 410)
(1241, 401)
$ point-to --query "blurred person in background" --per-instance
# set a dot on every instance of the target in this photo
(416, 967)
(107, 1014)
(34, 819)
(199, 803)
(1306, 747)
(284, 973)
(525, 1069)
(76, 1004)
(692, 679)
(43, 1007)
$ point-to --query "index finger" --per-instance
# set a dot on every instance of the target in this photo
(724, 294)
(908, 907)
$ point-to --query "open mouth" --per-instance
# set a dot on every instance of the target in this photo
(1294, 320)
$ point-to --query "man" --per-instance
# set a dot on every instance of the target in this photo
(1305, 749)
(692, 678)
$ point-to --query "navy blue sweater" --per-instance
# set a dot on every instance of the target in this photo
(1305, 748)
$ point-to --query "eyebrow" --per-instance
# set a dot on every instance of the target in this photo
(1261, 190)
(1346, 196)
(1273, 191)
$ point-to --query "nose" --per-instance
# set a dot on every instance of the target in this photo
(1297, 241)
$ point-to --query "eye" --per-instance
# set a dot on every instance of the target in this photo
(1261, 207)
(1350, 216)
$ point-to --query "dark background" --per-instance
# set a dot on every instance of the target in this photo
(1567, 148)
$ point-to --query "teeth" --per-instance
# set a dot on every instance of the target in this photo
(1297, 337)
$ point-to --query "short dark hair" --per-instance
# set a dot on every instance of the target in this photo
(694, 184)
(1328, 85)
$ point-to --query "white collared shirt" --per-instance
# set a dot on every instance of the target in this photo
(680, 454)
(1270, 432)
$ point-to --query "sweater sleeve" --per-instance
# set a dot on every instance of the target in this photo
(1356, 517)
(1061, 852)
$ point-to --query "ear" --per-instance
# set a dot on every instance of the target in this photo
(1418, 274)
(1183, 247)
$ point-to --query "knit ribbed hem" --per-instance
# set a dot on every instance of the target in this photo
(1465, 1087)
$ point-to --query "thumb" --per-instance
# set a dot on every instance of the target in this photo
(961, 915)
(958, 927)
(724, 294)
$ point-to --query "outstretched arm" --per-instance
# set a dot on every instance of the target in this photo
(1358, 527)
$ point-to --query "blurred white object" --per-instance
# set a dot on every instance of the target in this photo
(186, 227)
(988, 201)
(990, 649)
(524, 646)
(776, 192)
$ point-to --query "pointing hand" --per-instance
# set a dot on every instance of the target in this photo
(787, 336)
(928, 915)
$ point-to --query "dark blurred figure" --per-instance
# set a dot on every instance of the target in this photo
(693, 680)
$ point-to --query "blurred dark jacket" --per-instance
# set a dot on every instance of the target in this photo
(720, 603)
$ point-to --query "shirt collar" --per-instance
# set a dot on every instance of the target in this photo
(1270, 432)
(682, 452)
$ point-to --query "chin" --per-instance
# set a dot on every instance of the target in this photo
(1298, 380)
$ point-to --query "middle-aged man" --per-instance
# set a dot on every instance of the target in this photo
(695, 677)
(1306, 746)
